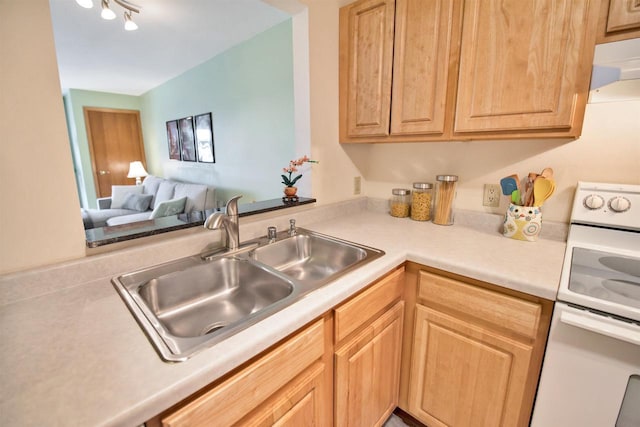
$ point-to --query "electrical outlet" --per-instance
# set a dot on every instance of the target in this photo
(492, 194)
(357, 183)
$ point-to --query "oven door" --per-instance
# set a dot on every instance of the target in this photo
(591, 372)
(602, 271)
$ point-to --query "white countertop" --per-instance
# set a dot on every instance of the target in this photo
(76, 356)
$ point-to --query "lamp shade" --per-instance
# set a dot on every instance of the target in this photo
(136, 170)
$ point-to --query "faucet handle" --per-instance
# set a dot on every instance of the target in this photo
(271, 234)
(292, 227)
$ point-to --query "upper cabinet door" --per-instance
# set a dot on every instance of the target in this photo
(522, 65)
(421, 70)
(369, 57)
(623, 15)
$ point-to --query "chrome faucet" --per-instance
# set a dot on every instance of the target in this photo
(292, 227)
(228, 221)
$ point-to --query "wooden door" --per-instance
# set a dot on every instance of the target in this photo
(367, 372)
(115, 140)
(465, 375)
(366, 46)
(424, 65)
(524, 65)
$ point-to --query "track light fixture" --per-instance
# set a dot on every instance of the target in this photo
(109, 14)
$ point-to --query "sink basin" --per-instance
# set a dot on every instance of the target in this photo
(189, 304)
(310, 257)
(192, 303)
(202, 299)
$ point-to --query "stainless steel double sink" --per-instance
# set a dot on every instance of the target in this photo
(193, 303)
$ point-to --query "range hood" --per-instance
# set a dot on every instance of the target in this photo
(616, 72)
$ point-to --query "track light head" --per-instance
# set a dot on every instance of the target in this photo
(129, 25)
(107, 13)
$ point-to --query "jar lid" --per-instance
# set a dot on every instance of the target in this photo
(422, 185)
(400, 192)
(448, 178)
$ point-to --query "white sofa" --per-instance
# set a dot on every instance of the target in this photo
(156, 197)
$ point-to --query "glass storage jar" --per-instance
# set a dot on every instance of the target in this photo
(400, 202)
(445, 194)
(421, 199)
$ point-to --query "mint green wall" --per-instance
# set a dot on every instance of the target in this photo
(249, 91)
(75, 100)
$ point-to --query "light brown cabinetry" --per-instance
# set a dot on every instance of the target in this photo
(476, 351)
(288, 383)
(619, 20)
(292, 384)
(473, 69)
(367, 357)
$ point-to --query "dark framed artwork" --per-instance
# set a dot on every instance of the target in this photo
(173, 139)
(204, 138)
(187, 139)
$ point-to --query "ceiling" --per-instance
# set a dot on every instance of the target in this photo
(173, 36)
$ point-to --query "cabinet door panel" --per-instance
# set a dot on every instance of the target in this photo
(242, 392)
(463, 375)
(623, 15)
(520, 64)
(300, 403)
(370, 47)
(368, 372)
(423, 38)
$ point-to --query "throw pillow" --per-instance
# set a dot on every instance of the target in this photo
(168, 208)
(120, 192)
(137, 202)
(164, 193)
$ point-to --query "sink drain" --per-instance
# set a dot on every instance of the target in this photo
(213, 328)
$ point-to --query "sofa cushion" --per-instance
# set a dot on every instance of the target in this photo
(127, 219)
(120, 192)
(95, 218)
(196, 195)
(168, 208)
(165, 192)
(151, 184)
(137, 202)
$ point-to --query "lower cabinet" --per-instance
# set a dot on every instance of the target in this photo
(295, 384)
(476, 353)
(367, 372)
(449, 350)
(289, 383)
(368, 341)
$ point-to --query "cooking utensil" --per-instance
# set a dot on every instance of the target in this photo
(515, 197)
(547, 173)
(543, 188)
(528, 193)
(509, 184)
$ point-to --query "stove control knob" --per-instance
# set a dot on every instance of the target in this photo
(619, 204)
(593, 202)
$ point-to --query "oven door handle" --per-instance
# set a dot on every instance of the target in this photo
(617, 329)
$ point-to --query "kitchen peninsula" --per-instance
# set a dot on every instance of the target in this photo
(72, 353)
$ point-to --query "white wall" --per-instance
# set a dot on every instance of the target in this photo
(40, 219)
(607, 151)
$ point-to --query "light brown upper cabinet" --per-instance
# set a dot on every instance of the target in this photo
(461, 70)
(619, 20)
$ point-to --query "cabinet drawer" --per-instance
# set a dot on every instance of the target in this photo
(502, 311)
(358, 311)
(242, 392)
